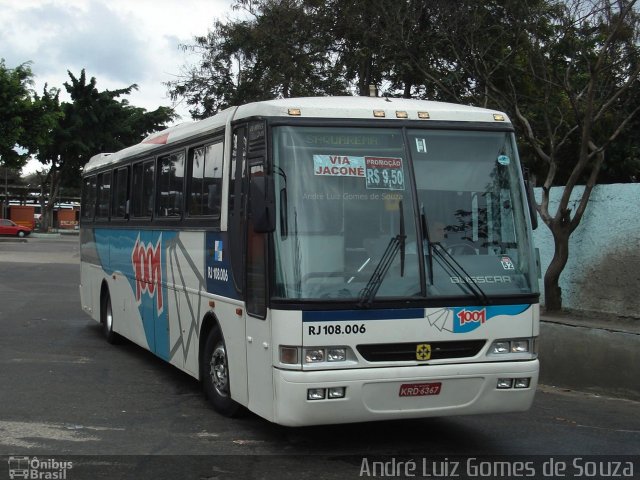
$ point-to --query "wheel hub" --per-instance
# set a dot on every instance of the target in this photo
(219, 372)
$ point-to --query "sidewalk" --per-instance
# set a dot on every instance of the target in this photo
(591, 352)
(58, 234)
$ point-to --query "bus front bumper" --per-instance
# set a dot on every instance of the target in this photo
(400, 392)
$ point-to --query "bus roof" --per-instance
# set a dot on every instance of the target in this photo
(310, 107)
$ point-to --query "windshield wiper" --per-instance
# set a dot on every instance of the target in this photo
(447, 260)
(396, 244)
(459, 270)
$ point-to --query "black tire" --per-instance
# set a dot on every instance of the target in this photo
(214, 374)
(107, 321)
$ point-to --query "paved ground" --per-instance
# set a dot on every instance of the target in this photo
(67, 394)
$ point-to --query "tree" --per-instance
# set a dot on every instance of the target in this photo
(281, 51)
(15, 105)
(94, 121)
(307, 47)
(25, 120)
(567, 72)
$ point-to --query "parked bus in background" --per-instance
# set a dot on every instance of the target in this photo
(323, 260)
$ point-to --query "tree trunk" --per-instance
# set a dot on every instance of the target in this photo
(44, 218)
(407, 89)
(552, 290)
(47, 211)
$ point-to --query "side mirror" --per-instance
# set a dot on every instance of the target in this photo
(531, 200)
(262, 201)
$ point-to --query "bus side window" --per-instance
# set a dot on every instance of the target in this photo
(170, 185)
(142, 189)
(104, 195)
(88, 205)
(120, 190)
(205, 192)
(212, 188)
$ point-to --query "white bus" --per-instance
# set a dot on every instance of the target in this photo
(323, 260)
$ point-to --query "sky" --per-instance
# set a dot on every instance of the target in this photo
(119, 42)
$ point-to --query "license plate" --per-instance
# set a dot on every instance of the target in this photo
(419, 389)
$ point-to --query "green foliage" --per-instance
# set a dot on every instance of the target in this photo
(536, 60)
(25, 118)
(284, 51)
(93, 122)
(15, 102)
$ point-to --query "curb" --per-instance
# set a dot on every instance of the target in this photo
(38, 235)
(603, 359)
(45, 235)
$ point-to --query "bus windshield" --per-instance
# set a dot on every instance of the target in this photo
(366, 214)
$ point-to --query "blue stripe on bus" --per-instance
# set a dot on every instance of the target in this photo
(388, 314)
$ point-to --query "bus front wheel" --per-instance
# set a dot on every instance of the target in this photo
(215, 375)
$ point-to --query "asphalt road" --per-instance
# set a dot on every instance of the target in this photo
(118, 411)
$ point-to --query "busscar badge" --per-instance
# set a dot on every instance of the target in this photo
(423, 351)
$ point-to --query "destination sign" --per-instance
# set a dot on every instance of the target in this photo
(360, 140)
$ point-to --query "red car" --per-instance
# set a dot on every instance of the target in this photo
(8, 227)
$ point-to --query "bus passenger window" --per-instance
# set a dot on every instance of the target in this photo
(104, 190)
(143, 189)
(121, 183)
(88, 205)
(170, 185)
(206, 181)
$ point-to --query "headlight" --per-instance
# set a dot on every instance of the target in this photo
(316, 394)
(520, 346)
(336, 354)
(504, 383)
(314, 355)
(514, 345)
(325, 354)
(330, 393)
(521, 382)
(500, 346)
(318, 357)
(509, 383)
(336, 392)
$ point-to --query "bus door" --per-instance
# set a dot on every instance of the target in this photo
(258, 323)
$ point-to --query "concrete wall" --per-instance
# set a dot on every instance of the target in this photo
(596, 360)
(603, 272)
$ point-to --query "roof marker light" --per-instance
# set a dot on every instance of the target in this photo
(160, 139)
(498, 117)
(400, 114)
(379, 113)
(295, 112)
(423, 115)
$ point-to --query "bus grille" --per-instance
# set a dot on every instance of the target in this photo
(402, 352)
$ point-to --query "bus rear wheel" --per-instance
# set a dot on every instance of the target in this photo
(215, 375)
(107, 321)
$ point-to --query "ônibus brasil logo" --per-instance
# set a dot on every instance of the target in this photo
(472, 316)
(147, 266)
